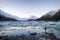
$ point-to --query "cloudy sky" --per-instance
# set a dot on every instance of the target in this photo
(27, 8)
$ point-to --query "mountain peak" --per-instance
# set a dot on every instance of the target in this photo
(52, 12)
(50, 16)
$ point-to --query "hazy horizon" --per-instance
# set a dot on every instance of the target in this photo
(27, 8)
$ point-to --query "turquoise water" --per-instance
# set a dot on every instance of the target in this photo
(24, 27)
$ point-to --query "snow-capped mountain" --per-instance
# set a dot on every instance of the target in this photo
(52, 12)
(32, 17)
(6, 17)
(29, 18)
(50, 16)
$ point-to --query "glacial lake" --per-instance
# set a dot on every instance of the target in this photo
(12, 28)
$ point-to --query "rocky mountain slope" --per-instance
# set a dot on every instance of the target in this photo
(6, 17)
(51, 16)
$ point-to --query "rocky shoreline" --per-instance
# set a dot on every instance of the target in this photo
(46, 36)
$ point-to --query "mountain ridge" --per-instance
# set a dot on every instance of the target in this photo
(48, 17)
(6, 17)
